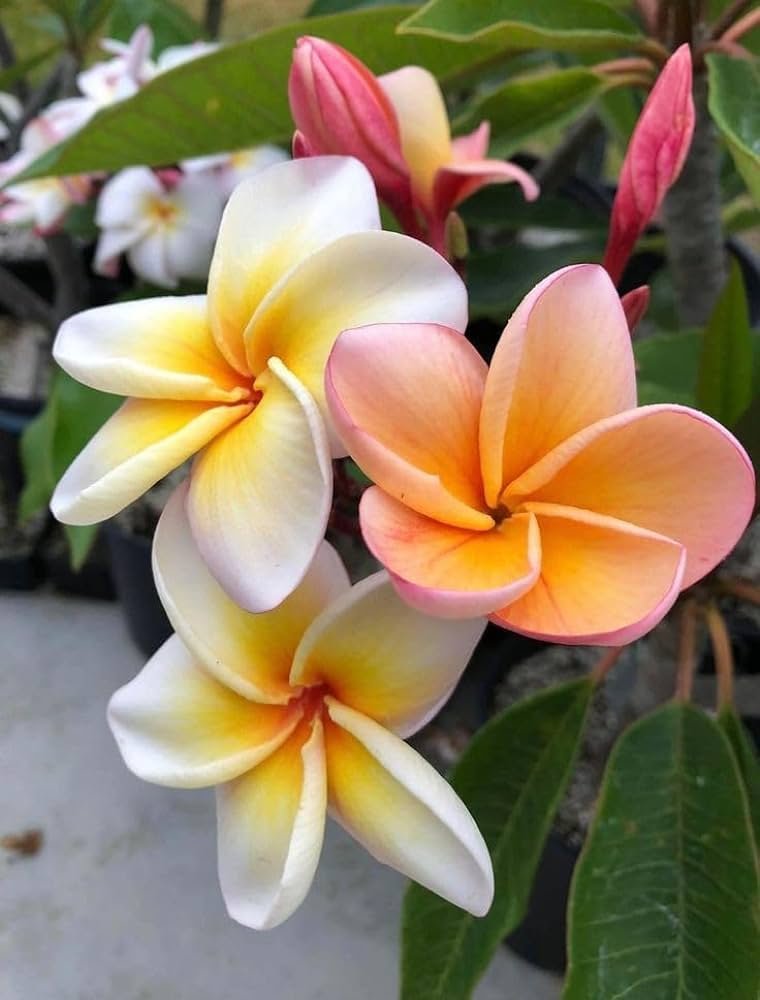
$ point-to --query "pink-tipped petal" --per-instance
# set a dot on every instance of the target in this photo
(635, 304)
(455, 182)
(473, 146)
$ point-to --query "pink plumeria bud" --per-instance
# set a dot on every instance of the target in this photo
(635, 304)
(655, 156)
(339, 107)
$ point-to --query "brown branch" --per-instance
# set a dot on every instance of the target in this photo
(722, 655)
(212, 21)
(741, 27)
(605, 663)
(687, 651)
(742, 589)
(731, 14)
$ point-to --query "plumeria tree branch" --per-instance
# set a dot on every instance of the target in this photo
(722, 655)
(730, 15)
(687, 650)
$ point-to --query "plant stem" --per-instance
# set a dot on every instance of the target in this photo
(742, 26)
(212, 21)
(22, 302)
(722, 655)
(742, 589)
(69, 274)
(731, 14)
(687, 651)
(605, 663)
(692, 216)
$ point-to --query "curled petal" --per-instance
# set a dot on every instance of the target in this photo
(299, 206)
(384, 659)
(141, 443)
(176, 725)
(603, 582)
(450, 572)
(405, 814)
(635, 304)
(669, 469)
(563, 361)
(260, 495)
(158, 348)
(455, 182)
(270, 829)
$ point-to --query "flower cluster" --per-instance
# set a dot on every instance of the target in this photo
(534, 492)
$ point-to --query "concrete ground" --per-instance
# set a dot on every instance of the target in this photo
(121, 902)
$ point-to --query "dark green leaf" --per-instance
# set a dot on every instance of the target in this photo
(81, 538)
(666, 367)
(511, 777)
(724, 385)
(237, 97)
(664, 903)
(522, 108)
(551, 24)
(747, 761)
(320, 7)
(37, 461)
(13, 73)
(170, 24)
(503, 205)
(735, 105)
(80, 412)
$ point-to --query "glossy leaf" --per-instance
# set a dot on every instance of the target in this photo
(666, 367)
(664, 902)
(724, 386)
(511, 777)
(747, 761)
(237, 97)
(522, 108)
(734, 103)
(504, 206)
(553, 24)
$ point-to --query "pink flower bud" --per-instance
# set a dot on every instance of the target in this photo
(635, 304)
(654, 159)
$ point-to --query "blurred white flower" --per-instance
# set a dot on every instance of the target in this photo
(115, 79)
(165, 223)
(10, 110)
(229, 169)
(176, 55)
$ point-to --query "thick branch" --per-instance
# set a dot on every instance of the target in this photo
(213, 18)
(69, 274)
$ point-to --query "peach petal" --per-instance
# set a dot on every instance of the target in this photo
(455, 182)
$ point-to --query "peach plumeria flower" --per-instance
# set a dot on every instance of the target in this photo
(296, 711)
(398, 126)
(236, 377)
(535, 491)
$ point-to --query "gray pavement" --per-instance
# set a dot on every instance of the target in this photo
(122, 902)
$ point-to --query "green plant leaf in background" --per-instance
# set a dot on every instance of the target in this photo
(511, 777)
(553, 24)
(747, 761)
(523, 108)
(724, 384)
(667, 366)
(664, 902)
(503, 205)
(170, 24)
(320, 7)
(734, 102)
(13, 73)
(237, 97)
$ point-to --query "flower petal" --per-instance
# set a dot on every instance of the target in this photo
(149, 260)
(563, 361)
(423, 122)
(141, 443)
(403, 811)
(384, 659)
(413, 428)
(603, 582)
(123, 198)
(260, 495)
(270, 829)
(176, 725)
(669, 469)
(158, 348)
(445, 571)
(298, 207)
(361, 278)
(251, 654)
(455, 182)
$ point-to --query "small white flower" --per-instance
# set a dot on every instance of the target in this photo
(116, 79)
(229, 169)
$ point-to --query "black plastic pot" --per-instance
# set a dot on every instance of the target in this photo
(23, 571)
(133, 579)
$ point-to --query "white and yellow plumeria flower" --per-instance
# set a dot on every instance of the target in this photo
(296, 711)
(227, 170)
(238, 376)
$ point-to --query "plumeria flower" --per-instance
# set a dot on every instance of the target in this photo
(114, 80)
(178, 55)
(398, 126)
(535, 491)
(166, 223)
(227, 170)
(237, 376)
(299, 710)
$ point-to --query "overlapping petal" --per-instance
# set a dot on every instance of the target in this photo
(413, 428)
(382, 658)
(455, 182)
(141, 443)
(446, 571)
(260, 494)
(403, 811)
(666, 468)
(603, 581)
(270, 830)
(563, 362)
(298, 207)
(152, 348)
(178, 726)
(384, 277)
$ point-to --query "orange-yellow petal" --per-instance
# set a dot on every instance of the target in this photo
(412, 425)
(143, 441)
(563, 362)
(445, 571)
(670, 469)
(603, 581)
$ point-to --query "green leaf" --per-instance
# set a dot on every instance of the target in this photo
(504, 205)
(724, 386)
(81, 538)
(80, 412)
(522, 108)
(13, 73)
(664, 902)
(320, 7)
(666, 367)
(237, 97)
(170, 24)
(36, 451)
(747, 430)
(734, 102)
(511, 777)
(747, 761)
(515, 24)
